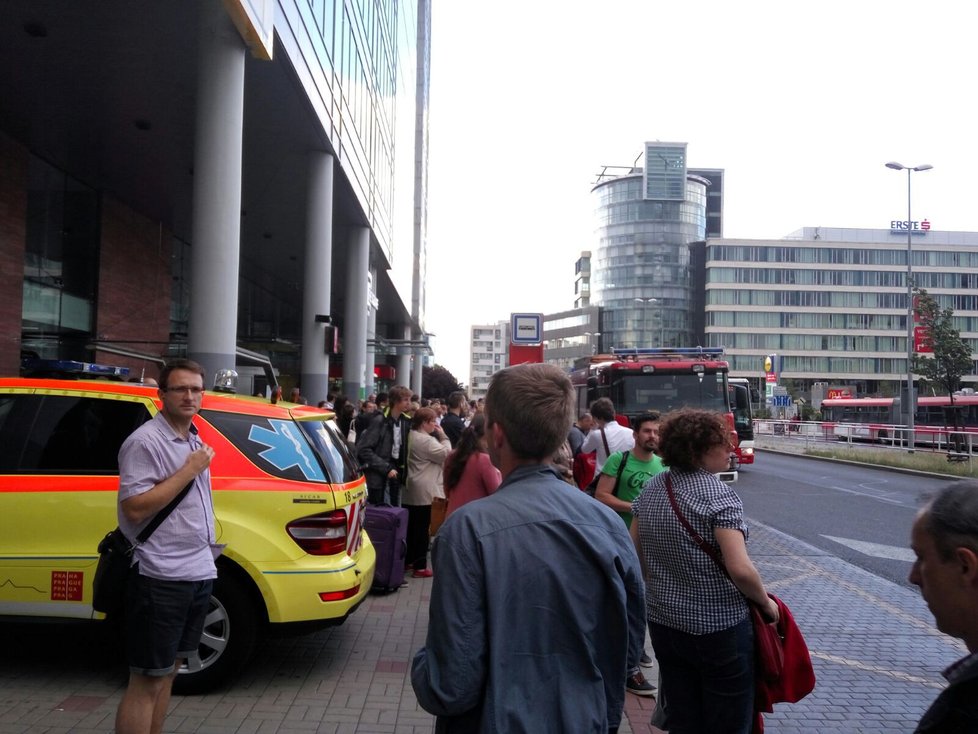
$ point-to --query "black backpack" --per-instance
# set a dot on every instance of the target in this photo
(592, 488)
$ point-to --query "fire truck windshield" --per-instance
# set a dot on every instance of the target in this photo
(634, 394)
(743, 414)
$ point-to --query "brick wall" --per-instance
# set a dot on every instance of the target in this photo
(13, 240)
(134, 286)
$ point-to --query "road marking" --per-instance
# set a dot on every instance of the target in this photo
(871, 495)
(869, 668)
(876, 550)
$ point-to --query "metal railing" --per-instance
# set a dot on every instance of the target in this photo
(959, 445)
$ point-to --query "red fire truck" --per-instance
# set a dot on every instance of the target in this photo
(661, 379)
(741, 398)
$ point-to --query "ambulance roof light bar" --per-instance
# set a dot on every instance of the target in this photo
(715, 352)
(68, 368)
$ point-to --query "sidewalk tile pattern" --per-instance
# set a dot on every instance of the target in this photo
(876, 653)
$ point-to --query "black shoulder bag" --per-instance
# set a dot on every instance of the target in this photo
(115, 557)
(592, 488)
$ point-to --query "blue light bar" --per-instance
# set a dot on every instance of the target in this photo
(715, 352)
(71, 368)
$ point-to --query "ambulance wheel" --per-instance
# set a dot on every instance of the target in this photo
(230, 632)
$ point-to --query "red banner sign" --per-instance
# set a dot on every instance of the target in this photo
(921, 340)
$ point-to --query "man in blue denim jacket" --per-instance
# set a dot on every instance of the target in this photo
(537, 608)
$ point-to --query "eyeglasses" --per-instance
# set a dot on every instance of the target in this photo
(183, 390)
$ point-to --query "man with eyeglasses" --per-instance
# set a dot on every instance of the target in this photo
(173, 572)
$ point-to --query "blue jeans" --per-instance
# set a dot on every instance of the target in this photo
(708, 680)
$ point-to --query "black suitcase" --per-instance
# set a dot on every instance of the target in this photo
(387, 528)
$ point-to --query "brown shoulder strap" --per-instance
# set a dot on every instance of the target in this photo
(604, 439)
(697, 538)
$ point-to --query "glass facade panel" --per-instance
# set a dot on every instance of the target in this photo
(665, 172)
(60, 264)
(641, 265)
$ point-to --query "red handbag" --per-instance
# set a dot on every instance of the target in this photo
(768, 646)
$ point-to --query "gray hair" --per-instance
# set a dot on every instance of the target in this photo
(951, 517)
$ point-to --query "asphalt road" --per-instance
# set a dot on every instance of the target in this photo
(868, 510)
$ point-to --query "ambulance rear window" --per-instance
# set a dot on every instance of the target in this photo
(332, 449)
(276, 446)
(64, 434)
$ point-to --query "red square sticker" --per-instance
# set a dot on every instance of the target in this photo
(66, 585)
(59, 585)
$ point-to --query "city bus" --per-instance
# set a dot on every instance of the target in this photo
(881, 419)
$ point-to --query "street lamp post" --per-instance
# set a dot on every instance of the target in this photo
(645, 302)
(593, 348)
(910, 401)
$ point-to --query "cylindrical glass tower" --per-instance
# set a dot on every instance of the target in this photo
(640, 267)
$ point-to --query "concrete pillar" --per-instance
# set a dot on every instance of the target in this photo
(317, 277)
(417, 365)
(368, 381)
(355, 317)
(404, 360)
(216, 229)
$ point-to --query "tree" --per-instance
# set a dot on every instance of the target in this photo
(438, 382)
(952, 356)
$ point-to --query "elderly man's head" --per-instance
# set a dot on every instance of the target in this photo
(945, 541)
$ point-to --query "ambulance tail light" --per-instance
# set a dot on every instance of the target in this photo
(340, 595)
(320, 535)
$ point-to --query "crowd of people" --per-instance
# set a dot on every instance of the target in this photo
(535, 582)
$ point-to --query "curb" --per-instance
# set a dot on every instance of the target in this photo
(898, 469)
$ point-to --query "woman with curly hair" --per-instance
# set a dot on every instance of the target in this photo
(469, 474)
(698, 615)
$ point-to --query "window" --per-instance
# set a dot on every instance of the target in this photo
(67, 435)
(328, 443)
(60, 264)
(278, 448)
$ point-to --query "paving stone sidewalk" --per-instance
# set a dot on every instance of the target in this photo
(876, 653)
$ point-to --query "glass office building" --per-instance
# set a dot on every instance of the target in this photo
(646, 217)
(225, 179)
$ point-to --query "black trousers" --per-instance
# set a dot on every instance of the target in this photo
(419, 520)
(388, 493)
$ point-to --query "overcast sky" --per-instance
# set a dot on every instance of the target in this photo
(800, 103)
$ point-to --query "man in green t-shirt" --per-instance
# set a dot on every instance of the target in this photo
(641, 464)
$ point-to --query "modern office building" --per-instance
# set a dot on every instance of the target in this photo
(229, 180)
(489, 350)
(582, 280)
(570, 335)
(832, 303)
(640, 268)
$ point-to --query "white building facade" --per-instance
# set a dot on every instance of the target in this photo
(832, 303)
(489, 353)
